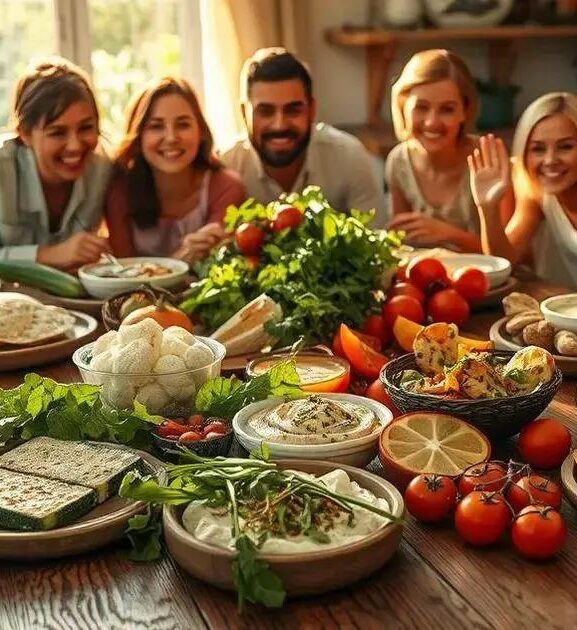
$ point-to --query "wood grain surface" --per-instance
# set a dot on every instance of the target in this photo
(434, 580)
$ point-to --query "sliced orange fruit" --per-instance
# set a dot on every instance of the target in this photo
(422, 442)
(405, 332)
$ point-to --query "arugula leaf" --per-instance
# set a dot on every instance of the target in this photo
(143, 532)
(254, 580)
(224, 397)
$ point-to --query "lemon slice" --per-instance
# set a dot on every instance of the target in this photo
(432, 443)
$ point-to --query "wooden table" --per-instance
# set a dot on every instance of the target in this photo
(434, 581)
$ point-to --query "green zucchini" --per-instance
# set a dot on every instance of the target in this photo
(41, 276)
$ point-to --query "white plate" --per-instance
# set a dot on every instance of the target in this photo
(333, 451)
(83, 331)
(104, 288)
(497, 269)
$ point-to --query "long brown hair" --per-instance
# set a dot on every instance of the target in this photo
(143, 200)
(46, 90)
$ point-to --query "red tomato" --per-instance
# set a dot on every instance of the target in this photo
(370, 340)
(173, 427)
(363, 359)
(375, 325)
(534, 489)
(286, 217)
(376, 391)
(430, 498)
(401, 273)
(448, 306)
(481, 518)
(249, 238)
(190, 436)
(195, 421)
(544, 443)
(215, 427)
(471, 283)
(427, 274)
(406, 288)
(404, 305)
(165, 432)
(486, 476)
(538, 532)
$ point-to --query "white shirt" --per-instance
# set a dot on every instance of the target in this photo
(24, 219)
(336, 161)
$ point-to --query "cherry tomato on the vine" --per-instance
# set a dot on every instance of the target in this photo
(538, 532)
(534, 489)
(486, 476)
(249, 238)
(481, 518)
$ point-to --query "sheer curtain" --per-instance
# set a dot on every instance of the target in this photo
(231, 31)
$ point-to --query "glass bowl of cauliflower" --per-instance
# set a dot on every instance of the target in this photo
(160, 368)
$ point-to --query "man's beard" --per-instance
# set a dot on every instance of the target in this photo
(278, 159)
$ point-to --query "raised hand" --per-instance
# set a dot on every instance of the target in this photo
(490, 172)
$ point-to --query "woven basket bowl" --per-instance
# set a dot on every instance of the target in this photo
(497, 418)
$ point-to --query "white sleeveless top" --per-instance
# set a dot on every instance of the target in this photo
(555, 245)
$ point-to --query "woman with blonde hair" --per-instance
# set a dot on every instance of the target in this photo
(170, 192)
(545, 182)
(434, 107)
(53, 177)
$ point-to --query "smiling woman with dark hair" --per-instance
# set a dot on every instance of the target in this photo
(52, 179)
(170, 192)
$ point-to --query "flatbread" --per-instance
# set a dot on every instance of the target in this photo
(436, 347)
(23, 322)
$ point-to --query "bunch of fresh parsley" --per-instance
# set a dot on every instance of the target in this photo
(323, 272)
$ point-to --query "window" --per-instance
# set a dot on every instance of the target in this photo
(27, 30)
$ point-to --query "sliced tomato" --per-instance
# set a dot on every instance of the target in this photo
(363, 359)
(171, 427)
(370, 340)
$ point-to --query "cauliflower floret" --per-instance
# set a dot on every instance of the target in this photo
(180, 393)
(104, 342)
(153, 397)
(147, 330)
(136, 357)
(174, 369)
(103, 362)
(173, 345)
(180, 333)
(119, 393)
(197, 356)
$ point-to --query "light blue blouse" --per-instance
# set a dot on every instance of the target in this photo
(24, 219)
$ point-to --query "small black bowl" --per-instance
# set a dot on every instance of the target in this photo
(212, 447)
(497, 418)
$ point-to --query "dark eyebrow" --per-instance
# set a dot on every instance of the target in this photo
(567, 138)
(53, 125)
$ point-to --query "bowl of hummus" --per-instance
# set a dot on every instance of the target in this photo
(337, 427)
(200, 539)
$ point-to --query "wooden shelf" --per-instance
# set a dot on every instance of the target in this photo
(381, 46)
(379, 37)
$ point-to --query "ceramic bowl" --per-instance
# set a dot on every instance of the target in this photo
(472, 14)
(495, 268)
(120, 390)
(356, 452)
(103, 288)
(168, 449)
(561, 311)
(307, 573)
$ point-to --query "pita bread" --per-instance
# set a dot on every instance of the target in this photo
(436, 347)
(23, 322)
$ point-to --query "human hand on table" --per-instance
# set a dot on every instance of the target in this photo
(80, 249)
(422, 230)
(196, 245)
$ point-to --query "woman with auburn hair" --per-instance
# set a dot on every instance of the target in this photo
(434, 107)
(170, 192)
(545, 182)
(53, 178)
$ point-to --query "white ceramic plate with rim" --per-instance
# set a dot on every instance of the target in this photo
(251, 440)
(497, 269)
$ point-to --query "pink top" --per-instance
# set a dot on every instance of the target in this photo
(219, 189)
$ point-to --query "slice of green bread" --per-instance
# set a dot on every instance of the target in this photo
(32, 503)
(92, 465)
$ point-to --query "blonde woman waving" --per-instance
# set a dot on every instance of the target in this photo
(545, 182)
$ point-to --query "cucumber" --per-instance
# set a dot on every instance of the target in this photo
(41, 276)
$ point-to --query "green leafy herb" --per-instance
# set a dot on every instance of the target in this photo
(324, 272)
(224, 397)
(144, 532)
(518, 375)
(41, 406)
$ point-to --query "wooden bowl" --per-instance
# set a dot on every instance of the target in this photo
(497, 418)
(302, 574)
